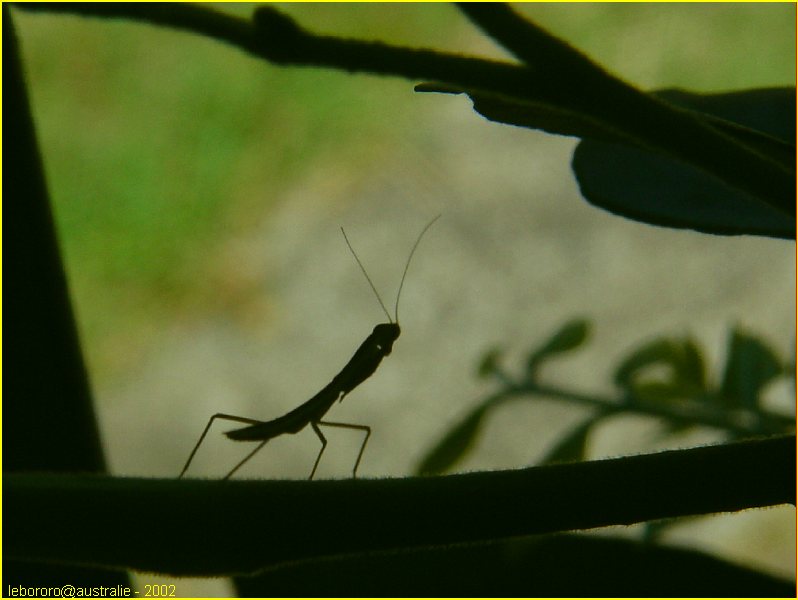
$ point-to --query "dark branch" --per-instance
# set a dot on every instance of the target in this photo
(557, 76)
(247, 525)
(528, 42)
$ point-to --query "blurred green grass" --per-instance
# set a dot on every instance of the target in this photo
(160, 146)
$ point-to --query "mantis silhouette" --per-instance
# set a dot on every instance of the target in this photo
(360, 367)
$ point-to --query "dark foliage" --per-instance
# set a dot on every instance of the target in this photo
(86, 521)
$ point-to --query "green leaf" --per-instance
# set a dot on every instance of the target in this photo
(571, 448)
(454, 445)
(684, 374)
(691, 365)
(750, 365)
(489, 363)
(570, 336)
(648, 187)
(657, 351)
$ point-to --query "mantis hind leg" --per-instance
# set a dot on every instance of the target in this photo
(245, 459)
(365, 428)
(205, 432)
(323, 446)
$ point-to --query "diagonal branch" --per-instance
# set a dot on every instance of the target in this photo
(248, 525)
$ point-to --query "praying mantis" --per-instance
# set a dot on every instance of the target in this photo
(360, 367)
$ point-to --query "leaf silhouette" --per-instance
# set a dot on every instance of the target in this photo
(571, 448)
(750, 365)
(684, 374)
(569, 337)
(454, 445)
(646, 186)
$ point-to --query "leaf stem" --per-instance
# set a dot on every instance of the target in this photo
(688, 412)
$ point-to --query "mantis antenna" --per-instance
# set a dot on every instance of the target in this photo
(362, 268)
(401, 283)
(407, 265)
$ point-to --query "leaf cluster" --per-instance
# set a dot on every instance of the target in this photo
(666, 378)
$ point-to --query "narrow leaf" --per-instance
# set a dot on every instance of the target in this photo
(571, 448)
(454, 445)
(532, 115)
(657, 351)
(683, 375)
(692, 366)
(750, 365)
(569, 337)
(489, 363)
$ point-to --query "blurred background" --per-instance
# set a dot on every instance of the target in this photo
(199, 193)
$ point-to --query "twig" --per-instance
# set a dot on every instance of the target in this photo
(687, 412)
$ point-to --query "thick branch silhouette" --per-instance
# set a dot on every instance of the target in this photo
(153, 525)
